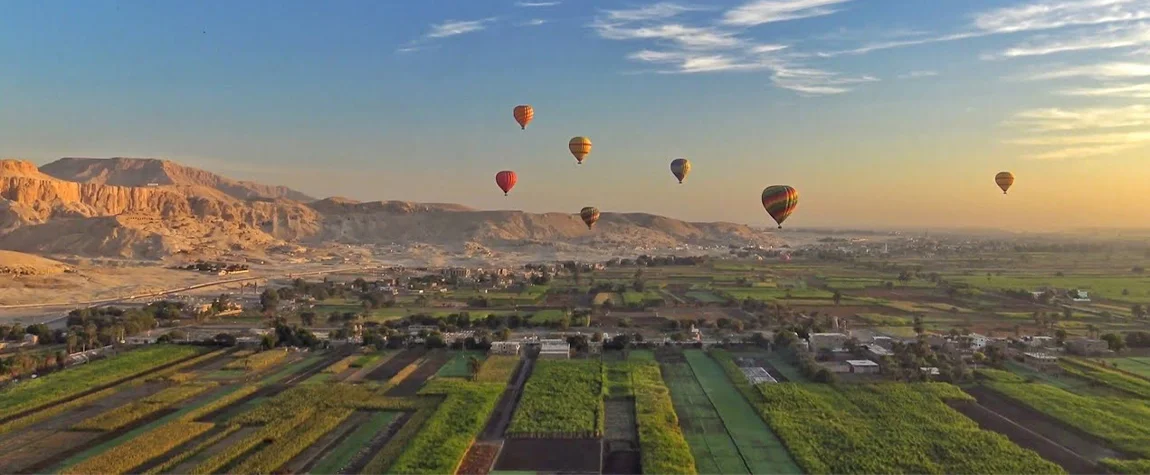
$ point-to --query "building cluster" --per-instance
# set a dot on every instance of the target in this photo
(218, 268)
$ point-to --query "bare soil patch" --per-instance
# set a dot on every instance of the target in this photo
(411, 384)
(388, 369)
(1049, 450)
(479, 459)
(551, 455)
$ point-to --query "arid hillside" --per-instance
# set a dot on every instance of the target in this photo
(102, 211)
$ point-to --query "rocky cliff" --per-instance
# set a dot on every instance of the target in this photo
(43, 214)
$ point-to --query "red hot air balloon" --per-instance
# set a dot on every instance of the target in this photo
(506, 180)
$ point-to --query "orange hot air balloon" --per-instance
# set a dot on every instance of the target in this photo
(780, 201)
(580, 147)
(506, 180)
(523, 115)
(590, 215)
(1004, 180)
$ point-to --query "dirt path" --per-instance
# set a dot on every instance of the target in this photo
(1048, 449)
(501, 416)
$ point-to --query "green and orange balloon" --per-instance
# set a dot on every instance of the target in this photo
(780, 201)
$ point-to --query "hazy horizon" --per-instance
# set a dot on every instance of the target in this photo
(893, 114)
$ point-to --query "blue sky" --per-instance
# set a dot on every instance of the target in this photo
(883, 112)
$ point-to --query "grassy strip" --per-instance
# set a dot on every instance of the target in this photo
(302, 398)
(440, 445)
(386, 456)
(341, 365)
(889, 428)
(405, 372)
(1125, 422)
(1140, 466)
(257, 361)
(62, 385)
(61, 408)
(998, 375)
(170, 372)
(182, 456)
(274, 455)
(273, 432)
(236, 394)
(366, 360)
(661, 442)
(123, 458)
(126, 414)
(1109, 377)
(457, 367)
(562, 396)
(497, 369)
(340, 456)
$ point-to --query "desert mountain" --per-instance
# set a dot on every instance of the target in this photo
(19, 263)
(100, 214)
(144, 171)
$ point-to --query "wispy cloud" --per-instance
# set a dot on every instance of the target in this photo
(759, 12)
(1111, 70)
(1086, 132)
(1108, 38)
(685, 47)
(1059, 14)
(446, 29)
(533, 22)
(918, 74)
(454, 27)
(1132, 91)
(536, 4)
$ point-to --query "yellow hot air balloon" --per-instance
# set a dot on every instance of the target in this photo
(580, 147)
(1004, 180)
(523, 115)
(589, 215)
(680, 167)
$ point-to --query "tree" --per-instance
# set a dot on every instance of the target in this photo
(269, 300)
(1138, 311)
(473, 366)
(918, 325)
(838, 297)
(1060, 336)
(1114, 341)
(308, 318)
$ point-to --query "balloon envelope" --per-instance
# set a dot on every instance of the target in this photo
(589, 215)
(1004, 180)
(523, 115)
(680, 167)
(579, 147)
(780, 201)
(506, 180)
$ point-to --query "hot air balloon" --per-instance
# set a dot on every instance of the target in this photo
(1004, 180)
(780, 201)
(506, 180)
(580, 147)
(590, 215)
(523, 115)
(680, 167)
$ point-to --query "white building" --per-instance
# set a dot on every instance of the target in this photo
(554, 348)
(1041, 361)
(505, 347)
(862, 366)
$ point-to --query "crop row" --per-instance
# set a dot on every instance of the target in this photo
(270, 432)
(221, 402)
(998, 375)
(561, 397)
(257, 361)
(282, 450)
(128, 413)
(341, 365)
(173, 370)
(1123, 421)
(179, 458)
(1109, 377)
(662, 446)
(888, 428)
(405, 372)
(123, 458)
(70, 382)
(1127, 466)
(497, 369)
(291, 402)
(440, 445)
(55, 410)
(394, 448)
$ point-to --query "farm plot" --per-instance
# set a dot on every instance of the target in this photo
(561, 399)
(457, 366)
(1097, 373)
(339, 458)
(395, 364)
(1124, 422)
(889, 428)
(710, 443)
(441, 443)
(762, 451)
(1138, 365)
(411, 384)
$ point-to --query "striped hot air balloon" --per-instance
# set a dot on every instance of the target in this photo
(680, 167)
(506, 180)
(1004, 180)
(589, 215)
(780, 201)
(580, 147)
(523, 115)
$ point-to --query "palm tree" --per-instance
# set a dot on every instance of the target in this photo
(473, 366)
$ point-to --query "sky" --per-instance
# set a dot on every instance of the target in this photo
(880, 112)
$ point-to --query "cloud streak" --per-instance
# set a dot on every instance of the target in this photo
(1131, 91)
(446, 29)
(536, 4)
(761, 12)
(918, 74)
(1102, 71)
(1109, 38)
(1080, 133)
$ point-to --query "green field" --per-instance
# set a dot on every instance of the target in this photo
(762, 451)
(1139, 365)
(705, 296)
(457, 366)
(1109, 287)
(561, 396)
(711, 445)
